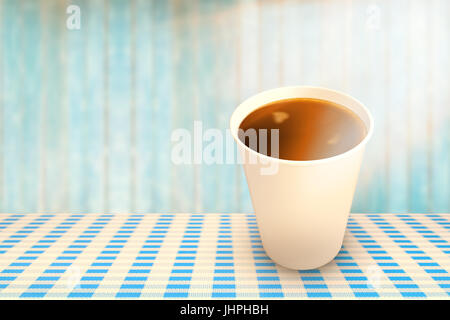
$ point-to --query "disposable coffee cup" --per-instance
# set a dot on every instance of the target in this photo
(301, 207)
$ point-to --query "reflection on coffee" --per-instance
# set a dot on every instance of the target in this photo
(309, 129)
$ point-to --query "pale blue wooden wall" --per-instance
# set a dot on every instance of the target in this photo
(86, 115)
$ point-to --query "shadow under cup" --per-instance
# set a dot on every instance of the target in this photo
(301, 207)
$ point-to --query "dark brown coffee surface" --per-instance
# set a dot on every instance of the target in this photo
(309, 129)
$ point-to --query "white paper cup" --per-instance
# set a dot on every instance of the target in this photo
(302, 209)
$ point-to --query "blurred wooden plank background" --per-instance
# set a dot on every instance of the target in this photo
(86, 115)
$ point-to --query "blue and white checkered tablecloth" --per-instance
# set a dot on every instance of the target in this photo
(201, 256)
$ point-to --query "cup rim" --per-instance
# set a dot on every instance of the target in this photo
(345, 154)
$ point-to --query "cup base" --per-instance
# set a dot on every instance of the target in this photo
(303, 266)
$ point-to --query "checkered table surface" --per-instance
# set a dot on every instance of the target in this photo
(198, 256)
